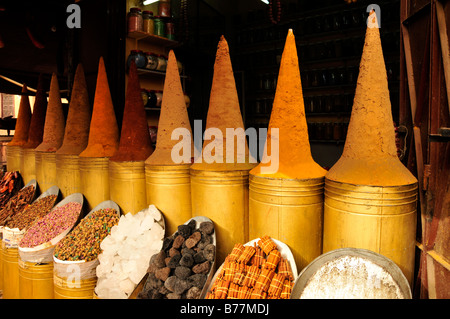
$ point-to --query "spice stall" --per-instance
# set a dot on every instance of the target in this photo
(227, 150)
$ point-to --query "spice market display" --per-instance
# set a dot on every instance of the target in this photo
(17, 203)
(184, 266)
(10, 184)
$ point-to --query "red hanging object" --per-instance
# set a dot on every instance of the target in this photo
(278, 17)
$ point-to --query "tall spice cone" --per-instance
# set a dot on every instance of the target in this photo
(127, 165)
(103, 142)
(168, 181)
(370, 197)
(76, 137)
(287, 203)
(14, 147)
(219, 189)
(35, 132)
(52, 139)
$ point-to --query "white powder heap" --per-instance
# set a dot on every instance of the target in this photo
(350, 277)
(126, 253)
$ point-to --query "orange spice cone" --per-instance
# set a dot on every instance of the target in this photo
(370, 197)
(219, 187)
(35, 132)
(14, 148)
(167, 181)
(103, 142)
(75, 136)
(53, 136)
(286, 188)
(126, 166)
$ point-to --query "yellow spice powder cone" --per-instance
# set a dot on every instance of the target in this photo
(223, 112)
(23, 120)
(173, 115)
(54, 120)
(288, 115)
(104, 132)
(78, 118)
(370, 155)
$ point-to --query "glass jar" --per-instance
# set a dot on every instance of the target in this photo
(152, 61)
(159, 27)
(144, 94)
(170, 29)
(164, 8)
(162, 63)
(151, 99)
(135, 21)
(148, 23)
(159, 95)
(139, 58)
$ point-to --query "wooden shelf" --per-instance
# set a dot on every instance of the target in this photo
(146, 72)
(157, 109)
(154, 39)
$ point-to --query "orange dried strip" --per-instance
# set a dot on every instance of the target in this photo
(258, 294)
(239, 275)
(252, 276)
(236, 252)
(276, 286)
(264, 279)
(273, 259)
(233, 291)
(246, 255)
(231, 269)
(287, 288)
(244, 292)
(222, 289)
(267, 244)
(284, 268)
(258, 257)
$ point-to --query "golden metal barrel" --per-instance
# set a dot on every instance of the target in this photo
(380, 219)
(10, 272)
(290, 210)
(94, 179)
(35, 280)
(13, 158)
(222, 196)
(127, 185)
(28, 165)
(68, 289)
(68, 174)
(169, 189)
(45, 169)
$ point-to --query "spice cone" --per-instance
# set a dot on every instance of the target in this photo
(54, 120)
(288, 115)
(173, 115)
(104, 132)
(79, 117)
(224, 112)
(23, 120)
(370, 155)
(135, 143)
(36, 130)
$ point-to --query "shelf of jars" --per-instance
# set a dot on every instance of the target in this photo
(153, 39)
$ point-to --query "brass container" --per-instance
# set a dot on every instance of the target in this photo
(94, 179)
(28, 165)
(289, 210)
(222, 196)
(13, 158)
(45, 169)
(10, 272)
(65, 288)
(380, 219)
(127, 186)
(35, 280)
(169, 189)
(68, 174)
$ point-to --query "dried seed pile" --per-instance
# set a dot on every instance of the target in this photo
(24, 219)
(16, 204)
(126, 253)
(51, 225)
(254, 272)
(10, 184)
(180, 269)
(83, 242)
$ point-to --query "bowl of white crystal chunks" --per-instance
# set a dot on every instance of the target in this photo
(185, 265)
